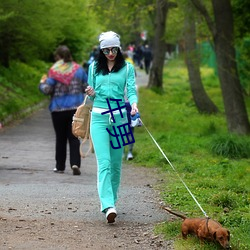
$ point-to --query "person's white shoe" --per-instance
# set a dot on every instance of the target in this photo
(58, 171)
(129, 156)
(111, 214)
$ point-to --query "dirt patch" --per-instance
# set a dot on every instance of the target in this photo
(50, 234)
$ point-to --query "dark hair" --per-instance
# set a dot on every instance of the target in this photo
(102, 67)
(64, 53)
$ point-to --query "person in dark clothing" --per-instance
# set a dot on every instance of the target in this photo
(93, 55)
(138, 56)
(147, 54)
(65, 83)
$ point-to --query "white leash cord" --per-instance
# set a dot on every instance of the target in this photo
(174, 169)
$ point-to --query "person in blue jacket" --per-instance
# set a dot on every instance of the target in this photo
(65, 83)
(108, 77)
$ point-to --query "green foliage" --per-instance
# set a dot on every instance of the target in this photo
(175, 28)
(231, 146)
(224, 200)
(29, 33)
(175, 25)
(241, 17)
(19, 87)
(243, 60)
(219, 183)
(170, 230)
(128, 18)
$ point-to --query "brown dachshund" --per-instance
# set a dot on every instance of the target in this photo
(204, 229)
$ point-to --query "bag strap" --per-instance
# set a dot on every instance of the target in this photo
(86, 138)
(91, 148)
(85, 99)
(87, 135)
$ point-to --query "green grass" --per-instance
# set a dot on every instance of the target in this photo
(214, 164)
(19, 88)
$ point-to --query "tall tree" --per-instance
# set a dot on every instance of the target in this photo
(201, 99)
(159, 44)
(223, 38)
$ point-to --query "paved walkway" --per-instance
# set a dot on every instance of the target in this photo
(29, 189)
(141, 78)
(26, 163)
(27, 158)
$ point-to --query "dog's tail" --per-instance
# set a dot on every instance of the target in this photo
(175, 213)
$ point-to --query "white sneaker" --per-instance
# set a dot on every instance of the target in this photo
(130, 156)
(58, 171)
(111, 214)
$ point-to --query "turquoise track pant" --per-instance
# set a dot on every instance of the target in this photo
(109, 160)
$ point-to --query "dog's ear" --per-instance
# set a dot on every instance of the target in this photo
(214, 235)
(228, 237)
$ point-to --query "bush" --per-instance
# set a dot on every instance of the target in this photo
(223, 200)
(19, 88)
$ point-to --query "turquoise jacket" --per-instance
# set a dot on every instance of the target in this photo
(113, 85)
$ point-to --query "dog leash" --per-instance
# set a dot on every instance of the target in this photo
(174, 169)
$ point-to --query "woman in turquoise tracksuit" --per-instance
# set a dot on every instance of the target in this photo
(108, 77)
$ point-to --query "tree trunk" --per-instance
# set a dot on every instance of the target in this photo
(159, 47)
(201, 99)
(223, 38)
(235, 109)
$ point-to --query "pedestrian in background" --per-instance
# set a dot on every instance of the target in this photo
(130, 147)
(65, 84)
(92, 57)
(108, 78)
(147, 54)
(138, 56)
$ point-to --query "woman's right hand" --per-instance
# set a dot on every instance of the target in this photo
(134, 109)
(90, 91)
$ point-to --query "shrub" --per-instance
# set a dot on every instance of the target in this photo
(231, 146)
(223, 200)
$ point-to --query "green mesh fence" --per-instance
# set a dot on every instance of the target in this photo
(207, 55)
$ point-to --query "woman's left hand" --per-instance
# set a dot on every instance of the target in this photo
(134, 109)
(90, 91)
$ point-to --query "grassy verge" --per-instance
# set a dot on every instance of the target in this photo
(214, 164)
(19, 89)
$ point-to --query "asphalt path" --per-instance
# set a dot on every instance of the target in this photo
(31, 190)
(26, 164)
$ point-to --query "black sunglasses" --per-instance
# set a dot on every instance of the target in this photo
(106, 51)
